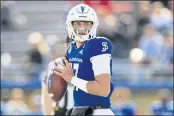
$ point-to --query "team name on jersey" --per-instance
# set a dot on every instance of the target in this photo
(76, 60)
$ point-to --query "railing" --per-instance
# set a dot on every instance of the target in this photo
(136, 86)
(121, 77)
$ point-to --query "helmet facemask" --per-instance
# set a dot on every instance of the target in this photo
(82, 32)
(75, 32)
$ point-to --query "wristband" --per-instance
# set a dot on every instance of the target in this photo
(80, 83)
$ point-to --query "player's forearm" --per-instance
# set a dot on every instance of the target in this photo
(100, 87)
(96, 88)
(46, 101)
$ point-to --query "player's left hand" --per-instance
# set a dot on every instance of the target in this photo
(66, 71)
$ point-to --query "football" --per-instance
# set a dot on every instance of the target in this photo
(56, 85)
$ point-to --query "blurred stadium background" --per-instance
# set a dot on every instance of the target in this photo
(33, 33)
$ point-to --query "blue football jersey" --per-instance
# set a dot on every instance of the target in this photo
(82, 67)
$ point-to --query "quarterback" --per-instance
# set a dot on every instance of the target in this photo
(88, 64)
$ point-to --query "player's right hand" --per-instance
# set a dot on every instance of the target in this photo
(66, 71)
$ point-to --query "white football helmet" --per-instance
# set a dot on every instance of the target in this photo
(81, 12)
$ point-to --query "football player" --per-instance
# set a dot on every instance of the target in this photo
(50, 107)
(46, 101)
(88, 64)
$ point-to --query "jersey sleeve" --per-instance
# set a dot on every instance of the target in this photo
(99, 51)
(99, 46)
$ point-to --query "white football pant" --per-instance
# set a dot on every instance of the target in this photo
(103, 112)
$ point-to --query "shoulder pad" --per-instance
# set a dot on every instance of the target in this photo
(69, 48)
(99, 39)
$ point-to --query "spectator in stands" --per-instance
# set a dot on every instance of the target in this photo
(36, 60)
(35, 103)
(161, 18)
(2, 110)
(143, 18)
(151, 44)
(5, 14)
(16, 104)
(5, 93)
(167, 51)
(163, 106)
(122, 105)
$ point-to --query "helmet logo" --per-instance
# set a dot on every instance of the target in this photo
(82, 8)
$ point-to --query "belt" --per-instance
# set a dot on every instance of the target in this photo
(99, 107)
(94, 107)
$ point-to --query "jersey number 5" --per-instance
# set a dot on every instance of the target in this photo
(75, 67)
